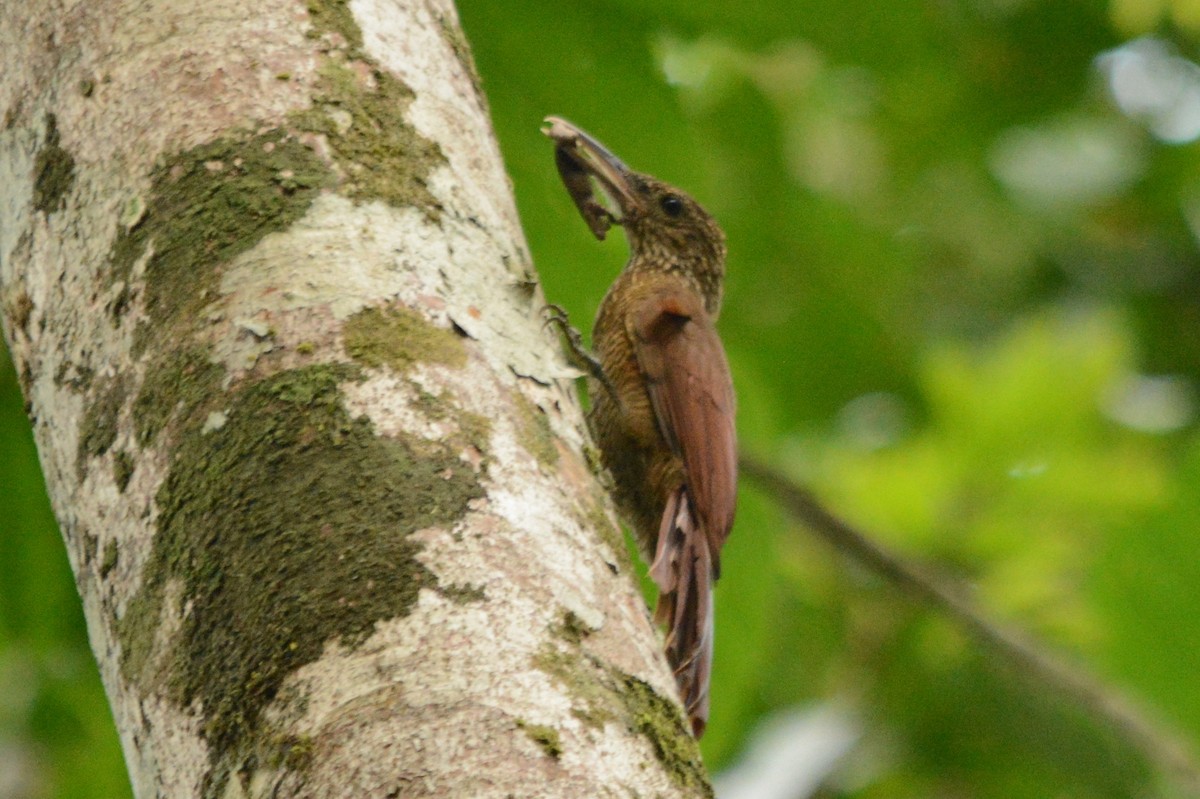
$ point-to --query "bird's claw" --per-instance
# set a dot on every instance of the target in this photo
(556, 316)
(577, 353)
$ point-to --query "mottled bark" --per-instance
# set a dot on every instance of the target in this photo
(317, 466)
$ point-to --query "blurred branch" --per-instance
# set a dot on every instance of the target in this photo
(1029, 657)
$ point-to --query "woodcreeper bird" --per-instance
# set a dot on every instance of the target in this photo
(662, 402)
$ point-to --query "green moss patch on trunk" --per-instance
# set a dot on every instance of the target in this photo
(98, 430)
(123, 466)
(608, 695)
(535, 433)
(288, 527)
(206, 206)
(53, 171)
(360, 109)
(399, 337)
(544, 736)
(178, 381)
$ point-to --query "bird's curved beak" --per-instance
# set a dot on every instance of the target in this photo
(580, 158)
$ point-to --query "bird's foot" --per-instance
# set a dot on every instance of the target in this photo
(577, 354)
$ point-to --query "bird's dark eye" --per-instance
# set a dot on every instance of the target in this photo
(672, 205)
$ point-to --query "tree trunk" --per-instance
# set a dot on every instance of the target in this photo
(316, 464)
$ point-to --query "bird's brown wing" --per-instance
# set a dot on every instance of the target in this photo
(687, 378)
(691, 392)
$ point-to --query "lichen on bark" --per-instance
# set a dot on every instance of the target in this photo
(399, 337)
(207, 205)
(606, 695)
(53, 171)
(179, 380)
(535, 433)
(98, 430)
(204, 206)
(20, 311)
(111, 555)
(545, 737)
(290, 524)
(595, 517)
(288, 527)
(360, 110)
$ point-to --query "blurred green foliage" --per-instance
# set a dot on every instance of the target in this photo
(962, 303)
(56, 732)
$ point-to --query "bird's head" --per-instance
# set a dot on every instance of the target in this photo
(667, 229)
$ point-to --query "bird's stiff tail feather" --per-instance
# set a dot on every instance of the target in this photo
(683, 571)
